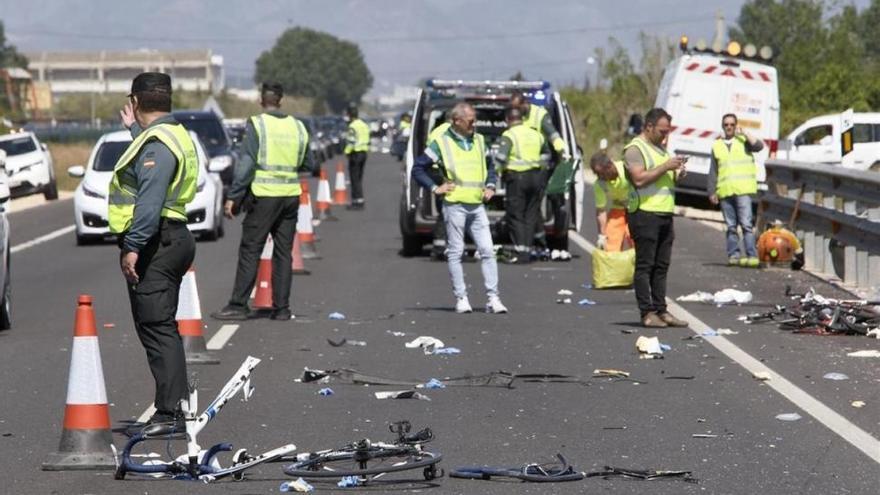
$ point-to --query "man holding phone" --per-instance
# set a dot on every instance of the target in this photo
(653, 172)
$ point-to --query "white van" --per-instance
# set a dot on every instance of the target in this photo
(697, 89)
(818, 141)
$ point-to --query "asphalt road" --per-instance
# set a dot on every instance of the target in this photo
(641, 425)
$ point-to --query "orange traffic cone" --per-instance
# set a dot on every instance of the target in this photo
(340, 194)
(189, 322)
(324, 200)
(297, 265)
(304, 230)
(263, 289)
(86, 442)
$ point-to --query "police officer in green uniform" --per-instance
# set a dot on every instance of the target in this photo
(152, 183)
(522, 158)
(267, 187)
(653, 172)
(357, 144)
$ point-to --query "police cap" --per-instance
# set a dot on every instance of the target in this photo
(273, 87)
(156, 82)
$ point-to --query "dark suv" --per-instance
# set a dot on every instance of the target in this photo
(491, 100)
(218, 144)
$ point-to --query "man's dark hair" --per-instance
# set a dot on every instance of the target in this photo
(352, 111)
(270, 98)
(733, 115)
(153, 101)
(599, 160)
(654, 115)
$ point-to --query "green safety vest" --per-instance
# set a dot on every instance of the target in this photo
(403, 125)
(467, 169)
(658, 197)
(437, 132)
(534, 120)
(615, 194)
(525, 154)
(182, 189)
(737, 174)
(358, 137)
(283, 146)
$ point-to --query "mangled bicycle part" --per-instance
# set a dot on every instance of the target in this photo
(198, 464)
(537, 473)
(370, 460)
(642, 474)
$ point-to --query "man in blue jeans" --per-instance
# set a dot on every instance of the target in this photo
(467, 181)
(732, 183)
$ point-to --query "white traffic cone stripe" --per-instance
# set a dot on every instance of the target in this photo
(324, 191)
(340, 180)
(188, 306)
(86, 381)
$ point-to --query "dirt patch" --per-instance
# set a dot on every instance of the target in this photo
(65, 155)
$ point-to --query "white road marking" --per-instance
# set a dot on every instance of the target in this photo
(221, 337)
(43, 238)
(146, 414)
(838, 424)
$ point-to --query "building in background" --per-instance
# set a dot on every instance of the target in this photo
(112, 72)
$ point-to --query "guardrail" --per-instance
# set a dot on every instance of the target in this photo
(836, 214)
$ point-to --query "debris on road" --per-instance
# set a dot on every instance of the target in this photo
(434, 384)
(109, 325)
(447, 350)
(835, 376)
(348, 482)
(586, 302)
(587, 286)
(559, 471)
(866, 353)
(725, 296)
(858, 404)
(503, 379)
(300, 486)
(401, 394)
(875, 333)
(427, 343)
(650, 347)
(396, 334)
(761, 375)
(564, 292)
(566, 300)
(646, 474)
(788, 417)
(610, 373)
(325, 392)
(336, 316)
(703, 435)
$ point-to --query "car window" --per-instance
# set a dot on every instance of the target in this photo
(18, 146)
(209, 130)
(820, 134)
(863, 133)
(108, 154)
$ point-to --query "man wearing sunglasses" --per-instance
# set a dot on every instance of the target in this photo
(732, 183)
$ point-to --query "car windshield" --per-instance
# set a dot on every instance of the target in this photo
(18, 146)
(491, 119)
(209, 131)
(108, 155)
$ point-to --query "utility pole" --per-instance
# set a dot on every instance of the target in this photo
(720, 32)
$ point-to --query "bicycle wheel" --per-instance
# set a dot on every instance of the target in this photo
(364, 462)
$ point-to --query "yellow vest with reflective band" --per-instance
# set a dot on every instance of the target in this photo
(737, 173)
(535, 119)
(403, 125)
(467, 169)
(525, 154)
(658, 197)
(358, 137)
(283, 145)
(616, 194)
(436, 133)
(181, 190)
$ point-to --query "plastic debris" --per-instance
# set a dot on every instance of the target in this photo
(447, 350)
(698, 296)
(871, 353)
(874, 333)
(725, 296)
(761, 375)
(109, 325)
(564, 292)
(348, 482)
(835, 376)
(726, 331)
(396, 334)
(587, 286)
(427, 343)
(343, 341)
(858, 404)
(610, 373)
(665, 347)
(336, 316)
(434, 383)
(703, 435)
(788, 417)
(401, 394)
(649, 347)
(325, 391)
(300, 485)
(586, 302)
(567, 300)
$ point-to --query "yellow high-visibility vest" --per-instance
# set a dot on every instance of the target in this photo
(467, 169)
(283, 146)
(737, 173)
(658, 197)
(525, 154)
(614, 194)
(358, 137)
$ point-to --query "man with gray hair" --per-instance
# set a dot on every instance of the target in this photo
(468, 181)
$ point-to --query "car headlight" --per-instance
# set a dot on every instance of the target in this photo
(221, 162)
(92, 193)
(28, 166)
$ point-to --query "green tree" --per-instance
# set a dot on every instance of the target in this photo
(318, 65)
(9, 56)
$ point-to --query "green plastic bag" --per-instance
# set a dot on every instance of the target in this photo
(561, 178)
(613, 269)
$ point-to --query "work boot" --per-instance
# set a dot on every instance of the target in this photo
(462, 305)
(282, 314)
(494, 306)
(733, 261)
(671, 320)
(750, 262)
(653, 320)
(438, 252)
(162, 424)
(231, 313)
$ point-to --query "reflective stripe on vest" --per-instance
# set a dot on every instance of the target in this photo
(535, 117)
(658, 197)
(467, 169)
(737, 174)
(182, 189)
(525, 154)
(282, 150)
(358, 138)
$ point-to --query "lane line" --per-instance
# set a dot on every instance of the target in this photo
(146, 414)
(834, 421)
(43, 238)
(221, 337)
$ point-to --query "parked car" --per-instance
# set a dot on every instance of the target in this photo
(204, 213)
(215, 139)
(5, 283)
(491, 100)
(818, 141)
(317, 146)
(235, 129)
(29, 167)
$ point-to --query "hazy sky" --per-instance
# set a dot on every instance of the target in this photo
(402, 40)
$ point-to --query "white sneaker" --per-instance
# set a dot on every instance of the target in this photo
(494, 306)
(462, 305)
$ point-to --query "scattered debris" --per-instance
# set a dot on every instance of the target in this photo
(726, 331)
(109, 325)
(646, 474)
(586, 302)
(336, 316)
(434, 384)
(427, 343)
(587, 286)
(401, 394)
(628, 331)
(835, 376)
(325, 391)
(725, 296)
(564, 292)
(649, 347)
(503, 379)
(680, 377)
(788, 417)
(761, 375)
(858, 404)
(300, 485)
(614, 427)
(874, 333)
(348, 482)
(396, 334)
(871, 353)
(610, 373)
(343, 341)
(567, 300)
(447, 350)
(703, 435)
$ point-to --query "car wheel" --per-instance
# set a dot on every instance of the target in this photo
(6, 304)
(50, 190)
(84, 240)
(412, 245)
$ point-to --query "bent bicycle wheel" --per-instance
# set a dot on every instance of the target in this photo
(372, 461)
